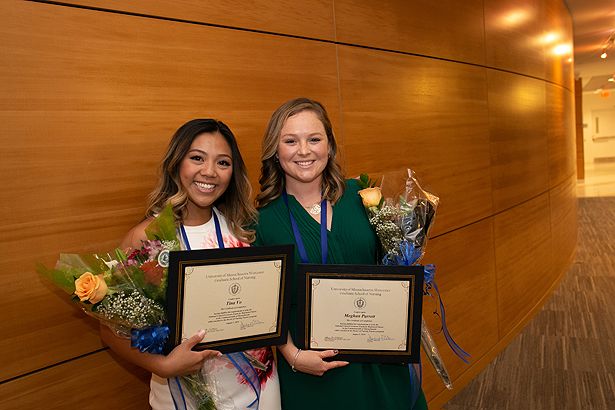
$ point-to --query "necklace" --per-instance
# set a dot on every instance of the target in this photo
(313, 209)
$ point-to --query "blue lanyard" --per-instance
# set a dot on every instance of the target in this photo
(244, 367)
(218, 233)
(323, 231)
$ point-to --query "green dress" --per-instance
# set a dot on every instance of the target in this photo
(350, 241)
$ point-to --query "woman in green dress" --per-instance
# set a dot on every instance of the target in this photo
(302, 185)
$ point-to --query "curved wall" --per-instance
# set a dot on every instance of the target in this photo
(468, 94)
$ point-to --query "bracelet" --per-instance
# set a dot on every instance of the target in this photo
(292, 366)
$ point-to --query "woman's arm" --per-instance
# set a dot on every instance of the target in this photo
(309, 361)
(181, 361)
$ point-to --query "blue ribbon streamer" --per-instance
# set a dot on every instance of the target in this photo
(175, 387)
(150, 339)
(462, 354)
(249, 373)
(409, 255)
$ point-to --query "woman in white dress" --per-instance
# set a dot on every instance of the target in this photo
(204, 178)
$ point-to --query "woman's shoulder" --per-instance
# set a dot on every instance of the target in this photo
(352, 184)
(271, 210)
(350, 190)
(136, 235)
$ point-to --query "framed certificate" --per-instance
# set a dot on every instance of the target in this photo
(239, 296)
(368, 313)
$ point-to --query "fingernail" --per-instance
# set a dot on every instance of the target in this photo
(219, 354)
(201, 333)
(335, 351)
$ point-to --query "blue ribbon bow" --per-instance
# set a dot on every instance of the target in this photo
(150, 339)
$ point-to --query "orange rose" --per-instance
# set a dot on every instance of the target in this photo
(91, 288)
(371, 197)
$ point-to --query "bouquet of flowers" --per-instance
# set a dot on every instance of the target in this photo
(402, 227)
(127, 293)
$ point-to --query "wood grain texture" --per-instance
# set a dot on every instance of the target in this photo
(94, 382)
(560, 133)
(90, 99)
(409, 112)
(523, 258)
(517, 126)
(445, 29)
(466, 278)
(514, 36)
(564, 225)
(558, 62)
(308, 18)
(89, 105)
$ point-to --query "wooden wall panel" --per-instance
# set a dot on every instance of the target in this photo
(424, 114)
(514, 36)
(564, 227)
(89, 103)
(558, 60)
(523, 259)
(560, 133)
(91, 97)
(517, 124)
(308, 18)
(446, 29)
(94, 382)
(467, 281)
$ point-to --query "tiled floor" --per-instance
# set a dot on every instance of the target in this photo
(599, 180)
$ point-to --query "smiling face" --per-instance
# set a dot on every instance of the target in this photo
(303, 149)
(205, 173)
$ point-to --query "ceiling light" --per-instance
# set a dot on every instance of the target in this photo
(603, 55)
(562, 49)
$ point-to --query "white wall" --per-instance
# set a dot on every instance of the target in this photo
(597, 145)
(597, 148)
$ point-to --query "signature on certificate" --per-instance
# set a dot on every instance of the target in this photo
(246, 325)
(379, 338)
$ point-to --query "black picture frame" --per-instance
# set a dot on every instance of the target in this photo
(183, 264)
(412, 275)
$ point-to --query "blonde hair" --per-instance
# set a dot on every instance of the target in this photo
(234, 202)
(272, 181)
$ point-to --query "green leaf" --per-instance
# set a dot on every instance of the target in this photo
(63, 280)
(120, 255)
(163, 226)
(364, 181)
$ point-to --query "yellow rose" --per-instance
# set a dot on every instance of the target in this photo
(370, 196)
(91, 288)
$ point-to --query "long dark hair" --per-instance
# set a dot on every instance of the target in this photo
(234, 202)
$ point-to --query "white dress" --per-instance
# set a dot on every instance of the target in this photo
(232, 391)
